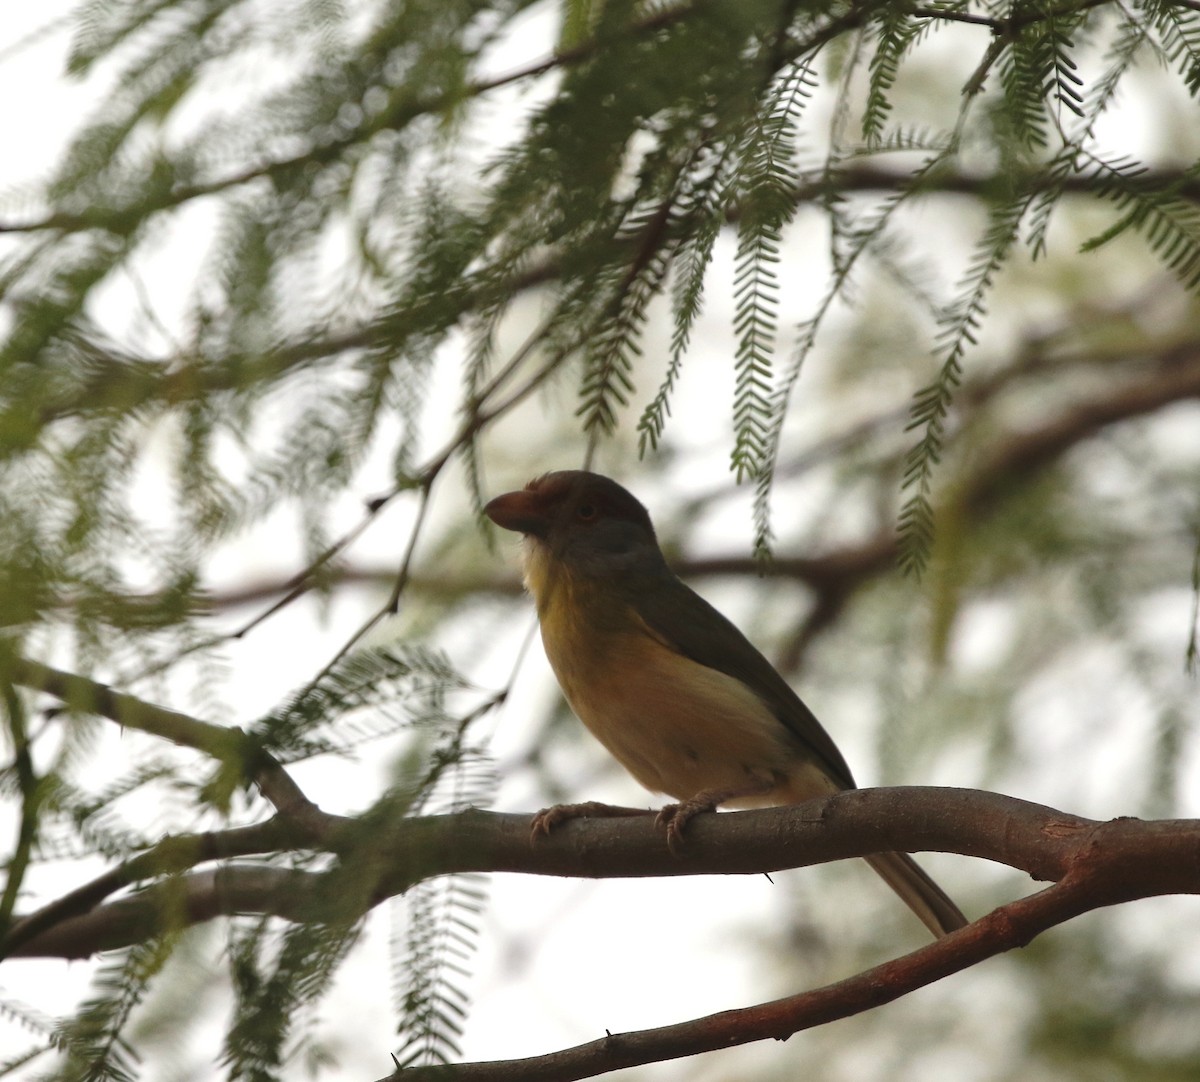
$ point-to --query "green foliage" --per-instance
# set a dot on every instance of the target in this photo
(1039, 79)
(272, 992)
(434, 965)
(96, 1049)
(894, 34)
(364, 695)
(433, 949)
(1193, 646)
(1171, 225)
(703, 203)
(621, 183)
(765, 184)
(931, 405)
(34, 1022)
(1178, 32)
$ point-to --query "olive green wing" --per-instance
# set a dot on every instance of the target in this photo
(683, 620)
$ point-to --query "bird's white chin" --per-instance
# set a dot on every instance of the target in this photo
(535, 558)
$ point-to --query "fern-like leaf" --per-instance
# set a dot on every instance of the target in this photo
(97, 1050)
(431, 956)
(1170, 224)
(896, 32)
(1037, 66)
(611, 351)
(411, 680)
(1178, 29)
(440, 939)
(766, 183)
(931, 404)
(1192, 654)
(702, 213)
(29, 1018)
(273, 996)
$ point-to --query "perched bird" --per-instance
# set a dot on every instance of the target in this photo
(666, 683)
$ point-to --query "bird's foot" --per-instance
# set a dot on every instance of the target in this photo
(677, 816)
(549, 818)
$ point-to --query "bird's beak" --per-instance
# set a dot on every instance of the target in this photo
(523, 511)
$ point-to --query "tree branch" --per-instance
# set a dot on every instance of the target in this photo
(1010, 926)
(299, 822)
(91, 697)
(400, 115)
(122, 379)
(1174, 377)
(1121, 860)
(122, 219)
(991, 476)
(227, 744)
(174, 903)
(170, 856)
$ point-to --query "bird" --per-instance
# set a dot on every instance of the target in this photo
(674, 691)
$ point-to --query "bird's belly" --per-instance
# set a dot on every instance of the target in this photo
(677, 726)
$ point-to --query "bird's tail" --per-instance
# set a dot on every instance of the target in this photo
(920, 893)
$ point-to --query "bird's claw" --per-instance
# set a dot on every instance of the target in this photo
(549, 818)
(675, 817)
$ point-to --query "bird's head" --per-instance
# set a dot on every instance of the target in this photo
(580, 522)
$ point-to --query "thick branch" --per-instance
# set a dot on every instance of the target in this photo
(1177, 380)
(175, 903)
(1124, 859)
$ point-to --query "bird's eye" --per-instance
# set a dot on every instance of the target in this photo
(585, 512)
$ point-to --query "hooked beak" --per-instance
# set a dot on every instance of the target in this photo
(523, 511)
